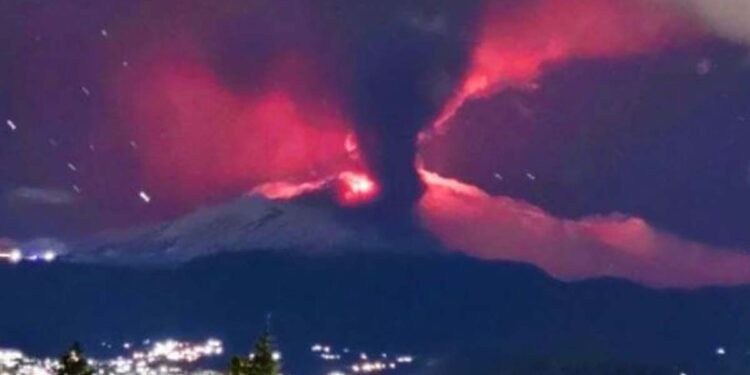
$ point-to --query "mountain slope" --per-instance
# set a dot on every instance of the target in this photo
(250, 222)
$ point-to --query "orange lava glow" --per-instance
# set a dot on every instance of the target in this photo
(287, 190)
(351, 188)
(515, 43)
(356, 188)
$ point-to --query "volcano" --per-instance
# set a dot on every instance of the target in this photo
(322, 216)
(341, 214)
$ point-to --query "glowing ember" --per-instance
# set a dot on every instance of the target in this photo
(356, 188)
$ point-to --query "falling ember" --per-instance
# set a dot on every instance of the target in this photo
(356, 188)
(144, 196)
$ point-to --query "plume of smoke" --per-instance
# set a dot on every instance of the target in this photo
(258, 100)
(467, 219)
(403, 72)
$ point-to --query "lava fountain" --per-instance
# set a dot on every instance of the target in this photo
(356, 188)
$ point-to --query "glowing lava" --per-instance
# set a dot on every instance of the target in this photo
(356, 188)
(281, 190)
(350, 188)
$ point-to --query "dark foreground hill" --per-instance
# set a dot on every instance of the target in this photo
(452, 311)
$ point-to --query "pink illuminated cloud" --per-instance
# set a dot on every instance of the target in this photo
(469, 220)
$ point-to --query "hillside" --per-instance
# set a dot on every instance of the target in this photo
(383, 301)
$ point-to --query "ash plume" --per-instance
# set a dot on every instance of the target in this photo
(404, 70)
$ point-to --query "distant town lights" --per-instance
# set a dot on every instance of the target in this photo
(49, 256)
(176, 357)
(15, 256)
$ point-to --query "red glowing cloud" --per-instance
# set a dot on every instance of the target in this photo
(467, 219)
(198, 133)
(195, 136)
(515, 42)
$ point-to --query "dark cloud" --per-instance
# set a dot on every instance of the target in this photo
(405, 69)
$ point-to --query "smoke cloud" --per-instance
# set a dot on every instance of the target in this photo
(216, 114)
(404, 70)
(516, 40)
(259, 100)
(205, 138)
(467, 219)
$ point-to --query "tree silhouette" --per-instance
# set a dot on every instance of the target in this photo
(262, 361)
(73, 362)
(239, 366)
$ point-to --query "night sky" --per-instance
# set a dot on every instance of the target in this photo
(115, 113)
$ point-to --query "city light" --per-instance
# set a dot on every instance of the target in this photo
(16, 255)
(163, 357)
(176, 357)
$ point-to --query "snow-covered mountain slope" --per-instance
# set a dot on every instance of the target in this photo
(250, 222)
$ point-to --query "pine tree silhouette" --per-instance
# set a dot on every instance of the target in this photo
(263, 361)
(74, 362)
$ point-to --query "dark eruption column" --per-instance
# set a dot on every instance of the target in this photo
(403, 74)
